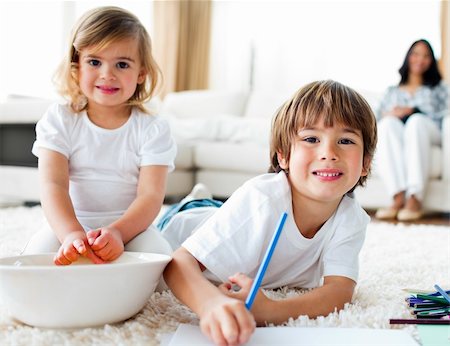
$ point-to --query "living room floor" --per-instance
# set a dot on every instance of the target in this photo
(434, 218)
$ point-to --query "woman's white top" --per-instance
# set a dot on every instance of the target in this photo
(431, 101)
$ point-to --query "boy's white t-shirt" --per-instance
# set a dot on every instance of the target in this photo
(235, 238)
(104, 164)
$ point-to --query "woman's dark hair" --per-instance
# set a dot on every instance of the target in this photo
(431, 77)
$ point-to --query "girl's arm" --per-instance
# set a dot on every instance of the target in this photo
(334, 294)
(58, 208)
(223, 319)
(54, 188)
(140, 214)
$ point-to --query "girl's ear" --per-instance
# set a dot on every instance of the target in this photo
(366, 166)
(141, 77)
(282, 161)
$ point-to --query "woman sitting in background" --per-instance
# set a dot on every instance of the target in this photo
(410, 123)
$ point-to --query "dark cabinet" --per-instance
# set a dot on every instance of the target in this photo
(16, 141)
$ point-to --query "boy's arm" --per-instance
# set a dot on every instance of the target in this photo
(223, 319)
(140, 214)
(334, 294)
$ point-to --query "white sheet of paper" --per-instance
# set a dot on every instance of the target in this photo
(187, 334)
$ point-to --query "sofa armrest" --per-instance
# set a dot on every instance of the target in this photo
(19, 110)
(446, 148)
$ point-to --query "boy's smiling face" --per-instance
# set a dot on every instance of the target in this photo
(325, 162)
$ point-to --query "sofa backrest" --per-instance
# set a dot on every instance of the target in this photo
(373, 98)
(204, 103)
(22, 109)
(263, 104)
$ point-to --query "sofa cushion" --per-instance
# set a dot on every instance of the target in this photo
(203, 103)
(436, 166)
(373, 98)
(262, 104)
(184, 159)
(221, 128)
(249, 157)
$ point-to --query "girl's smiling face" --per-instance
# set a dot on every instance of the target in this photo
(108, 77)
(325, 162)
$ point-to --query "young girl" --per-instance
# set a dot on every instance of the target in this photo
(103, 161)
(322, 143)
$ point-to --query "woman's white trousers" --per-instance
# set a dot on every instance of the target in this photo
(403, 154)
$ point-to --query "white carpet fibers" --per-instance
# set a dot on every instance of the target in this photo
(393, 257)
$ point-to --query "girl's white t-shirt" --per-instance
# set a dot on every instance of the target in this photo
(104, 164)
(235, 238)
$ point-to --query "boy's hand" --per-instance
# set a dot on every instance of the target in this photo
(75, 245)
(106, 243)
(226, 321)
(261, 302)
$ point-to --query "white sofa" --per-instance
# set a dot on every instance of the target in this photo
(228, 134)
(19, 181)
(223, 140)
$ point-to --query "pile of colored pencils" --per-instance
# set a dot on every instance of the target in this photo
(431, 308)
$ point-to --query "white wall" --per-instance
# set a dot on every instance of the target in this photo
(34, 36)
(360, 43)
(30, 46)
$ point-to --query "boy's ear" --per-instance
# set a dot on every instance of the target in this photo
(366, 166)
(141, 77)
(282, 161)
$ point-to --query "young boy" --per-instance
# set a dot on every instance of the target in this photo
(322, 144)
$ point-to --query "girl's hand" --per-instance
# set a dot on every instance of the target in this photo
(226, 321)
(260, 304)
(106, 243)
(75, 245)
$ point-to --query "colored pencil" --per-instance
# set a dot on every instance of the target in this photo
(433, 316)
(430, 309)
(427, 292)
(425, 305)
(265, 263)
(420, 321)
(440, 300)
(443, 293)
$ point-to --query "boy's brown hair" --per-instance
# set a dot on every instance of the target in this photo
(332, 101)
(99, 28)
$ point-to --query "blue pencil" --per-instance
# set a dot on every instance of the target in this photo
(442, 292)
(265, 263)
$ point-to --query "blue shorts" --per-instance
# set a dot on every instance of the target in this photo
(177, 207)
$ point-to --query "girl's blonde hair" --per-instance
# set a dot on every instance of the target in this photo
(334, 103)
(100, 27)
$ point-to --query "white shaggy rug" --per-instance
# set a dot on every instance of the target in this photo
(393, 257)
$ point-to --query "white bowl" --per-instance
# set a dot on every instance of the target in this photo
(41, 294)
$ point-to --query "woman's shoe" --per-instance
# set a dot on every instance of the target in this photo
(409, 215)
(386, 213)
